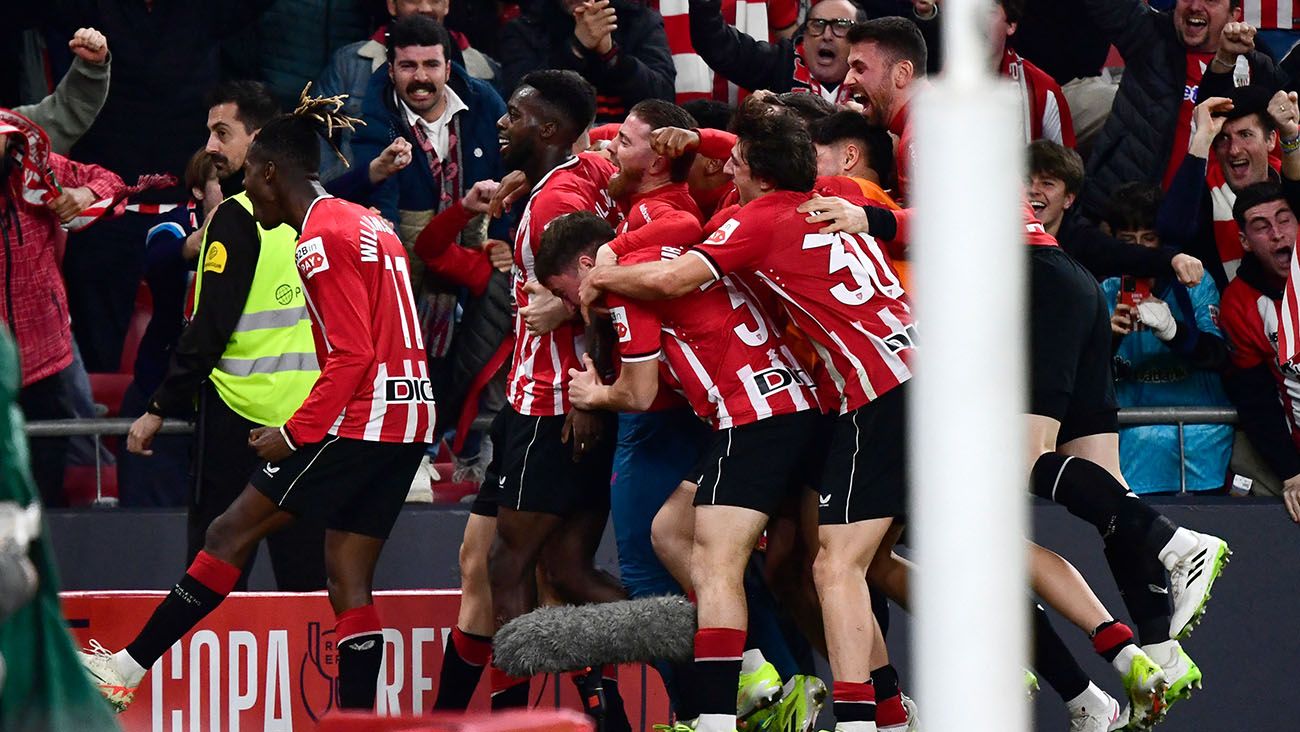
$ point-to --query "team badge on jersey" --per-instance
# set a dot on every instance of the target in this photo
(619, 316)
(311, 259)
(723, 233)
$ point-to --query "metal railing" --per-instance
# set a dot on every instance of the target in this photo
(97, 428)
(1131, 417)
(1180, 416)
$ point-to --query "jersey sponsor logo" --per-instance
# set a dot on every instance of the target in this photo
(408, 389)
(723, 233)
(774, 379)
(311, 259)
(619, 316)
(215, 260)
(666, 253)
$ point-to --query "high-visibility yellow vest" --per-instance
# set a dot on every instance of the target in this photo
(269, 365)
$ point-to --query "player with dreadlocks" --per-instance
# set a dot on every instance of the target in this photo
(349, 453)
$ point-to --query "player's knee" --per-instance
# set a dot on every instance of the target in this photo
(473, 564)
(222, 538)
(831, 569)
(346, 594)
(665, 537)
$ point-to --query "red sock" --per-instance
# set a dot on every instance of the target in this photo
(359, 638)
(215, 574)
(508, 692)
(854, 701)
(474, 649)
(1110, 638)
(890, 712)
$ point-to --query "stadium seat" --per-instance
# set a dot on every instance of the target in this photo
(79, 484)
(555, 720)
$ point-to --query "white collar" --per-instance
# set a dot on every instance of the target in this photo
(454, 106)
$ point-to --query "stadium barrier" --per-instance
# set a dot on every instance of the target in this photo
(100, 428)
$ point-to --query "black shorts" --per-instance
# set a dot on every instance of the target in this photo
(865, 473)
(1069, 347)
(534, 471)
(489, 491)
(756, 465)
(354, 485)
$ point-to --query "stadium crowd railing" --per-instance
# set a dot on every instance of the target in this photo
(103, 427)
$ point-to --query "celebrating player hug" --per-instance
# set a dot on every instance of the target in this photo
(696, 324)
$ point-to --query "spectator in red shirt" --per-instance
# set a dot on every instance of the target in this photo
(35, 305)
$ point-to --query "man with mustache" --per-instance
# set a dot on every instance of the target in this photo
(448, 117)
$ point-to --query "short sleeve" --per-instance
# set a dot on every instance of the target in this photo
(730, 249)
(636, 329)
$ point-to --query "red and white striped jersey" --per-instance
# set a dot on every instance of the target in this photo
(374, 381)
(539, 370)
(718, 348)
(1254, 322)
(840, 290)
(1270, 14)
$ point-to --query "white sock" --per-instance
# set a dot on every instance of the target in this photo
(1164, 653)
(751, 661)
(1093, 699)
(127, 666)
(716, 723)
(855, 727)
(1181, 546)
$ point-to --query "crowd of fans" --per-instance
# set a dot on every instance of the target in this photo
(1159, 141)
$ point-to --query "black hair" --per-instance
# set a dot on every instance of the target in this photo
(1015, 9)
(860, 15)
(809, 107)
(254, 104)
(658, 113)
(417, 30)
(709, 113)
(777, 149)
(1133, 206)
(1058, 161)
(568, 237)
(568, 94)
(1254, 195)
(899, 38)
(849, 125)
(292, 140)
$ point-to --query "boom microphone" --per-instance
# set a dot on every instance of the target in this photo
(570, 638)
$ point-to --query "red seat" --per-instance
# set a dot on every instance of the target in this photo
(79, 484)
(107, 389)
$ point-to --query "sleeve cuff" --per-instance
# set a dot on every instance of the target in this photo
(284, 432)
(640, 357)
(714, 269)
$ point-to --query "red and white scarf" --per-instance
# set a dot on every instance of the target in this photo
(695, 80)
(1227, 237)
(39, 186)
(803, 78)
